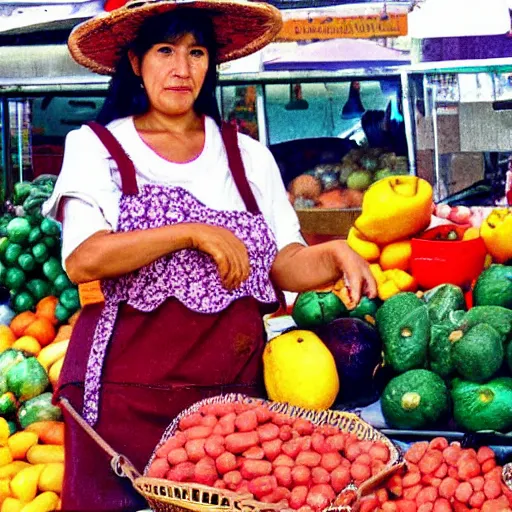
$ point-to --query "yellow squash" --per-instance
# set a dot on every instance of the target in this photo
(496, 232)
(395, 208)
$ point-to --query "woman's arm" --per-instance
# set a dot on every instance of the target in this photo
(106, 255)
(298, 268)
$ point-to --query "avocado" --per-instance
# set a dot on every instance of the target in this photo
(496, 316)
(443, 299)
(404, 327)
(312, 309)
(478, 352)
(494, 287)
(483, 406)
(440, 349)
(415, 399)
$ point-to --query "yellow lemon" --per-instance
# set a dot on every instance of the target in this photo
(300, 370)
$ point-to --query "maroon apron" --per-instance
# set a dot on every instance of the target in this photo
(160, 359)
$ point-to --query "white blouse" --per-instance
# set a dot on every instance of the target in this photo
(90, 181)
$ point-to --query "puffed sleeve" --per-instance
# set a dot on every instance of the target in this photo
(268, 187)
(86, 195)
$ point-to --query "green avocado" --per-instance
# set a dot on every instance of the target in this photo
(311, 309)
(404, 327)
(366, 309)
(478, 352)
(496, 316)
(494, 287)
(483, 406)
(415, 399)
(443, 299)
(27, 379)
(440, 349)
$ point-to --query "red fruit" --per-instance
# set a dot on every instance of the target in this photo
(340, 478)
(416, 452)
(308, 458)
(336, 443)
(463, 492)
(320, 476)
(268, 432)
(283, 476)
(262, 485)
(291, 448)
(330, 461)
(298, 496)
(319, 496)
(303, 427)
(246, 422)
(301, 475)
(430, 462)
(225, 463)
(484, 453)
(272, 449)
(158, 468)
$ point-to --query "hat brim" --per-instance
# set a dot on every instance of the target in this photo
(241, 27)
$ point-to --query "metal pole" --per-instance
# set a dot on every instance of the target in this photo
(409, 122)
(6, 150)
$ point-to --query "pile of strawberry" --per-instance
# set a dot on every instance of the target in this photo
(442, 477)
(247, 448)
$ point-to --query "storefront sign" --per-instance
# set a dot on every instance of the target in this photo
(332, 28)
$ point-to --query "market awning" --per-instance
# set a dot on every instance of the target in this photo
(332, 55)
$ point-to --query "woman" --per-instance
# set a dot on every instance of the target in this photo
(175, 234)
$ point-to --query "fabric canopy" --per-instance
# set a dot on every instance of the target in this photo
(331, 55)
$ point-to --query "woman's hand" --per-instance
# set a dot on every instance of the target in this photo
(228, 252)
(352, 268)
(298, 268)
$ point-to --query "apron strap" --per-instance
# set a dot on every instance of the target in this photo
(236, 165)
(123, 161)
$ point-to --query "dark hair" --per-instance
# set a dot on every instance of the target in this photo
(126, 97)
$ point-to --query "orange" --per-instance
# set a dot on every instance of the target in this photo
(42, 330)
(7, 337)
(28, 344)
(64, 333)
(20, 322)
(46, 309)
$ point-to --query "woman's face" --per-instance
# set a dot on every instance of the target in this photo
(173, 74)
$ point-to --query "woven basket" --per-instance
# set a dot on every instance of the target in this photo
(167, 496)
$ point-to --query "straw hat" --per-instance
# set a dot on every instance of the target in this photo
(241, 27)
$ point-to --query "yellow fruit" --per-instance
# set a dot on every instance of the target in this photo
(24, 484)
(20, 442)
(54, 372)
(51, 478)
(300, 370)
(377, 273)
(387, 289)
(5, 456)
(52, 353)
(5, 432)
(368, 250)
(45, 453)
(12, 469)
(396, 255)
(5, 490)
(11, 505)
(45, 502)
(28, 344)
(395, 208)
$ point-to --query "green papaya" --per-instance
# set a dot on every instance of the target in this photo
(478, 352)
(416, 399)
(8, 404)
(311, 309)
(443, 299)
(494, 287)
(440, 350)
(496, 316)
(39, 408)
(404, 327)
(10, 358)
(27, 379)
(483, 406)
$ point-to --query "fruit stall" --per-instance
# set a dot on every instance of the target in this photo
(402, 403)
